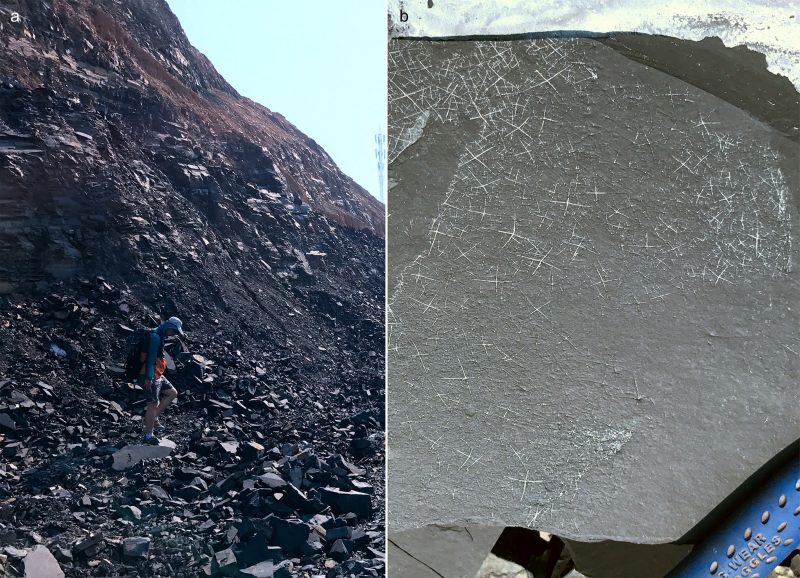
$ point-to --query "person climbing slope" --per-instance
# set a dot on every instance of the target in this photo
(151, 377)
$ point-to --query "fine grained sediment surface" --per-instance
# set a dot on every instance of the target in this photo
(593, 309)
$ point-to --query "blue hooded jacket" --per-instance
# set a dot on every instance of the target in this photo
(156, 336)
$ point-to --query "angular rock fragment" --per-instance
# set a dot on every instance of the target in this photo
(341, 532)
(339, 551)
(158, 492)
(89, 546)
(230, 447)
(296, 476)
(353, 568)
(252, 451)
(363, 487)
(131, 513)
(132, 454)
(360, 447)
(258, 549)
(290, 535)
(137, 547)
(272, 480)
(224, 563)
(190, 493)
(15, 552)
(360, 538)
(267, 570)
(342, 502)
(40, 563)
(7, 422)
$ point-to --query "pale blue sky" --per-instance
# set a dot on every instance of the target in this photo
(322, 65)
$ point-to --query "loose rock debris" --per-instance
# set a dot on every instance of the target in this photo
(245, 483)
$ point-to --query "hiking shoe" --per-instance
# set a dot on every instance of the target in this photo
(150, 439)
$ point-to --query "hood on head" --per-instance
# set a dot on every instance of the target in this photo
(171, 323)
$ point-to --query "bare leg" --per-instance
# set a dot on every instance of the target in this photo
(150, 417)
(169, 396)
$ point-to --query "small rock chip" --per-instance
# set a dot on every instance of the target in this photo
(158, 492)
(230, 447)
(252, 451)
(364, 487)
(272, 480)
(87, 543)
(131, 513)
(136, 547)
(267, 570)
(339, 551)
(7, 422)
(224, 563)
(15, 552)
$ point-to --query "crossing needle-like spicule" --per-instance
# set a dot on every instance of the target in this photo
(593, 299)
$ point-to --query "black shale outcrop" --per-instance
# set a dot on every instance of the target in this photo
(136, 184)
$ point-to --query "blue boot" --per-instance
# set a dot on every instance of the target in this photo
(150, 439)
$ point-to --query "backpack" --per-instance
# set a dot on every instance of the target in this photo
(139, 342)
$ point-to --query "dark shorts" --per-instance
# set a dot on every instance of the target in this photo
(153, 395)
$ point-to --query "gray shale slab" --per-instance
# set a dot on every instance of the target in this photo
(593, 295)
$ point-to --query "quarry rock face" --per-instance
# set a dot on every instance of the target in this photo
(136, 184)
(155, 140)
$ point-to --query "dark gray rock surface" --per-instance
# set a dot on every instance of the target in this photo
(343, 502)
(622, 559)
(440, 550)
(136, 547)
(593, 291)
